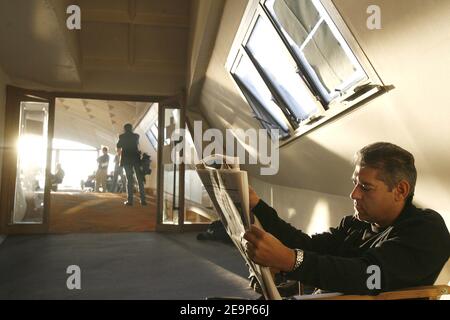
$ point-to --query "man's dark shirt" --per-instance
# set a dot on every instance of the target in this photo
(411, 252)
(128, 142)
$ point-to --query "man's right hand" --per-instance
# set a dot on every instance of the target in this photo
(253, 197)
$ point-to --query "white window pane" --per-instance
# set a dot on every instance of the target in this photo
(324, 54)
(154, 129)
(152, 139)
(298, 17)
(270, 52)
(248, 74)
(327, 58)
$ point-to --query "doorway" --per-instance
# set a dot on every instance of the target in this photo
(183, 203)
(47, 129)
(91, 196)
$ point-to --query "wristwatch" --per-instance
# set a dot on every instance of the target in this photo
(298, 259)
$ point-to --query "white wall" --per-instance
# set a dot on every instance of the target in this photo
(310, 211)
(204, 22)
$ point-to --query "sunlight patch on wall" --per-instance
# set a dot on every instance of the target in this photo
(320, 220)
(291, 212)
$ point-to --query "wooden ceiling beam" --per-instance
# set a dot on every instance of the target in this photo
(156, 67)
(146, 19)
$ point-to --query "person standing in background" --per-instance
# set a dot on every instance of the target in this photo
(118, 171)
(102, 171)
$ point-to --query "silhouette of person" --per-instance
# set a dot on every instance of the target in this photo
(130, 158)
(57, 177)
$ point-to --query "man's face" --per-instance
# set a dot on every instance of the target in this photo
(372, 200)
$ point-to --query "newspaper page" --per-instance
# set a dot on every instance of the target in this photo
(227, 187)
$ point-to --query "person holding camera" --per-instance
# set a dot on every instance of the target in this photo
(130, 158)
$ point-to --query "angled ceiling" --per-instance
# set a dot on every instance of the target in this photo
(32, 45)
(96, 122)
(138, 42)
(124, 46)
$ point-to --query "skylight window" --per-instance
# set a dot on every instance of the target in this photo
(294, 66)
(317, 45)
(259, 96)
(276, 64)
(152, 135)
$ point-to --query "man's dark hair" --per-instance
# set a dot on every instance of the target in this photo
(128, 127)
(395, 164)
(105, 149)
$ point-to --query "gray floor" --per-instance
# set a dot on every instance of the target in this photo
(121, 266)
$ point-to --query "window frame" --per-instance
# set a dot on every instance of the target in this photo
(149, 132)
(358, 93)
(278, 97)
(325, 18)
(260, 113)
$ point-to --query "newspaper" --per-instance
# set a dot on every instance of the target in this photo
(227, 187)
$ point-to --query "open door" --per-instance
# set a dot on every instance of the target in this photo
(174, 205)
(170, 213)
(25, 192)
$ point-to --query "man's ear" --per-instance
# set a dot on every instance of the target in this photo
(401, 191)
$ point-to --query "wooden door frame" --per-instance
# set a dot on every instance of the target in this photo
(174, 102)
(10, 156)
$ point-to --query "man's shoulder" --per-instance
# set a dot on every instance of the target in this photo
(427, 220)
(424, 215)
(128, 135)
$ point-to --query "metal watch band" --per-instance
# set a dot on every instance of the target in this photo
(298, 259)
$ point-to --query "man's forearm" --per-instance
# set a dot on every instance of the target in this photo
(282, 230)
(336, 274)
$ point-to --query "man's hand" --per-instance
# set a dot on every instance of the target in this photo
(266, 250)
(253, 197)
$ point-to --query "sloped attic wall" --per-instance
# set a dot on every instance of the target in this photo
(38, 51)
(204, 24)
(411, 52)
